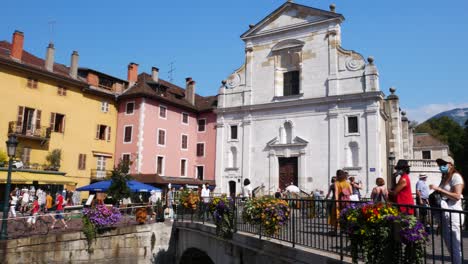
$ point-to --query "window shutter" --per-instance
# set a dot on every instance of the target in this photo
(38, 119)
(19, 120)
(34, 83)
(97, 131)
(84, 161)
(63, 125)
(108, 133)
(52, 121)
(79, 161)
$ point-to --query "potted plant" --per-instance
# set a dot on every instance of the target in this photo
(53, 159)
(222, 209)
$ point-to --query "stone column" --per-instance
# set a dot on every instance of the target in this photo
(333, 42)
(221, 183)
(333, 142)
(371, 75)
(373, 151)
(246, 148)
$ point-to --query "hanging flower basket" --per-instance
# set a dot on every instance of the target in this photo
(268, 212)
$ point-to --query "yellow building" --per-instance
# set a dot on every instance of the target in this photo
(51, 107)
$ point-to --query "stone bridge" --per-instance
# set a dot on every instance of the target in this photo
(198, 243)
(166, 243)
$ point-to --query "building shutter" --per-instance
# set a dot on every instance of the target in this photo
(108, 133)
(19, 120)
(52, 121)
(80, 166)
(38, 119)
(97, 131)
(63, 125)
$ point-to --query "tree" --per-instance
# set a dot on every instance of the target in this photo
(450, 132)
(464, 142)
(119, 178)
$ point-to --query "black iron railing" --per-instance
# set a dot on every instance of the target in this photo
(310, 225)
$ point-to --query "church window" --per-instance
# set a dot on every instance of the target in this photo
(234, 132)
(353, 125)
(291, 83)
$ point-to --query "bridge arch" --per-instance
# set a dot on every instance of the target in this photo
(195, 256)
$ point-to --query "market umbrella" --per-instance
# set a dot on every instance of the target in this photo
(103, 186)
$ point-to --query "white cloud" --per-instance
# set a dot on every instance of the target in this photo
(425, 112)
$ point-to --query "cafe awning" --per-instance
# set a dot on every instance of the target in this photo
(30, 176)
(164, 180)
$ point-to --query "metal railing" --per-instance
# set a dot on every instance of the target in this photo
(31, 131)
(311, 225)
(100, 174)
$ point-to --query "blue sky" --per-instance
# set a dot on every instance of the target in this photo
(419, 46)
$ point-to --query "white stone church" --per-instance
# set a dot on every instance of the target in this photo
(302, 107)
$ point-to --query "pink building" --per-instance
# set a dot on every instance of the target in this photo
(166, 132)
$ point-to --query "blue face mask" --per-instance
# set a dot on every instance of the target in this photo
(444, 168)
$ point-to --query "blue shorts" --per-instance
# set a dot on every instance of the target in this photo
(58, 214)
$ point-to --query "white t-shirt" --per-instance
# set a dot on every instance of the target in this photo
(205, 194)
(456, 180)
(247, 191)
(25, 198)
(13, 201)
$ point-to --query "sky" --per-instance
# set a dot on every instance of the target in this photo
(419, 46)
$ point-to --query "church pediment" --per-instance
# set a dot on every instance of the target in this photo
(290, 15)
(296, 142)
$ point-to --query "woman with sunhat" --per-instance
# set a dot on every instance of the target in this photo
(451, 189)
(402, 192)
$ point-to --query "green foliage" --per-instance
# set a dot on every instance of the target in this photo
(450, 132)
(53, 159)
(3, 157)
(119, 188)
(90, 231)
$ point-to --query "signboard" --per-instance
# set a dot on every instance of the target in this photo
(372, 169)
(90, 200)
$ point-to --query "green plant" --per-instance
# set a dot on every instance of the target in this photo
(268, 212)
(53, 159)
(379, 230)
(222, 209)
(90, 232)
(119, 178)
(3, 157)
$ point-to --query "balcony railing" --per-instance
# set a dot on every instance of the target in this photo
(29, 131)
(100, 174)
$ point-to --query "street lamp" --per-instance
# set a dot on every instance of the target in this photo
(11, 143)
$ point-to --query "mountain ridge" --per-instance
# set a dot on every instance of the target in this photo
(459, 115)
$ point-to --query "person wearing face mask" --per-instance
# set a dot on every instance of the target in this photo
(451, 189)
(402, 193)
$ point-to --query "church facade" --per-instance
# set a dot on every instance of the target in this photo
(301, 107)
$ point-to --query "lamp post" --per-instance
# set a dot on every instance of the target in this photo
(391, 162)
(11, 143)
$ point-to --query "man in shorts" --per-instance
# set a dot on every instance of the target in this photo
(59, 211)
(34, 211)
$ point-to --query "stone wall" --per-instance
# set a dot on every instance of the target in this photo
(132, 244)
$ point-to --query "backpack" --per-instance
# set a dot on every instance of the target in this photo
(380, 198)
(345, 194)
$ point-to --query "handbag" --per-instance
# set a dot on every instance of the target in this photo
(354, 197)
(435, 199)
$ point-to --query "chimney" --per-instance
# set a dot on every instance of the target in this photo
(17, 45)
(155, 74)
(132, 74)
(190, 90)
(74, 65)
(50, 54)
